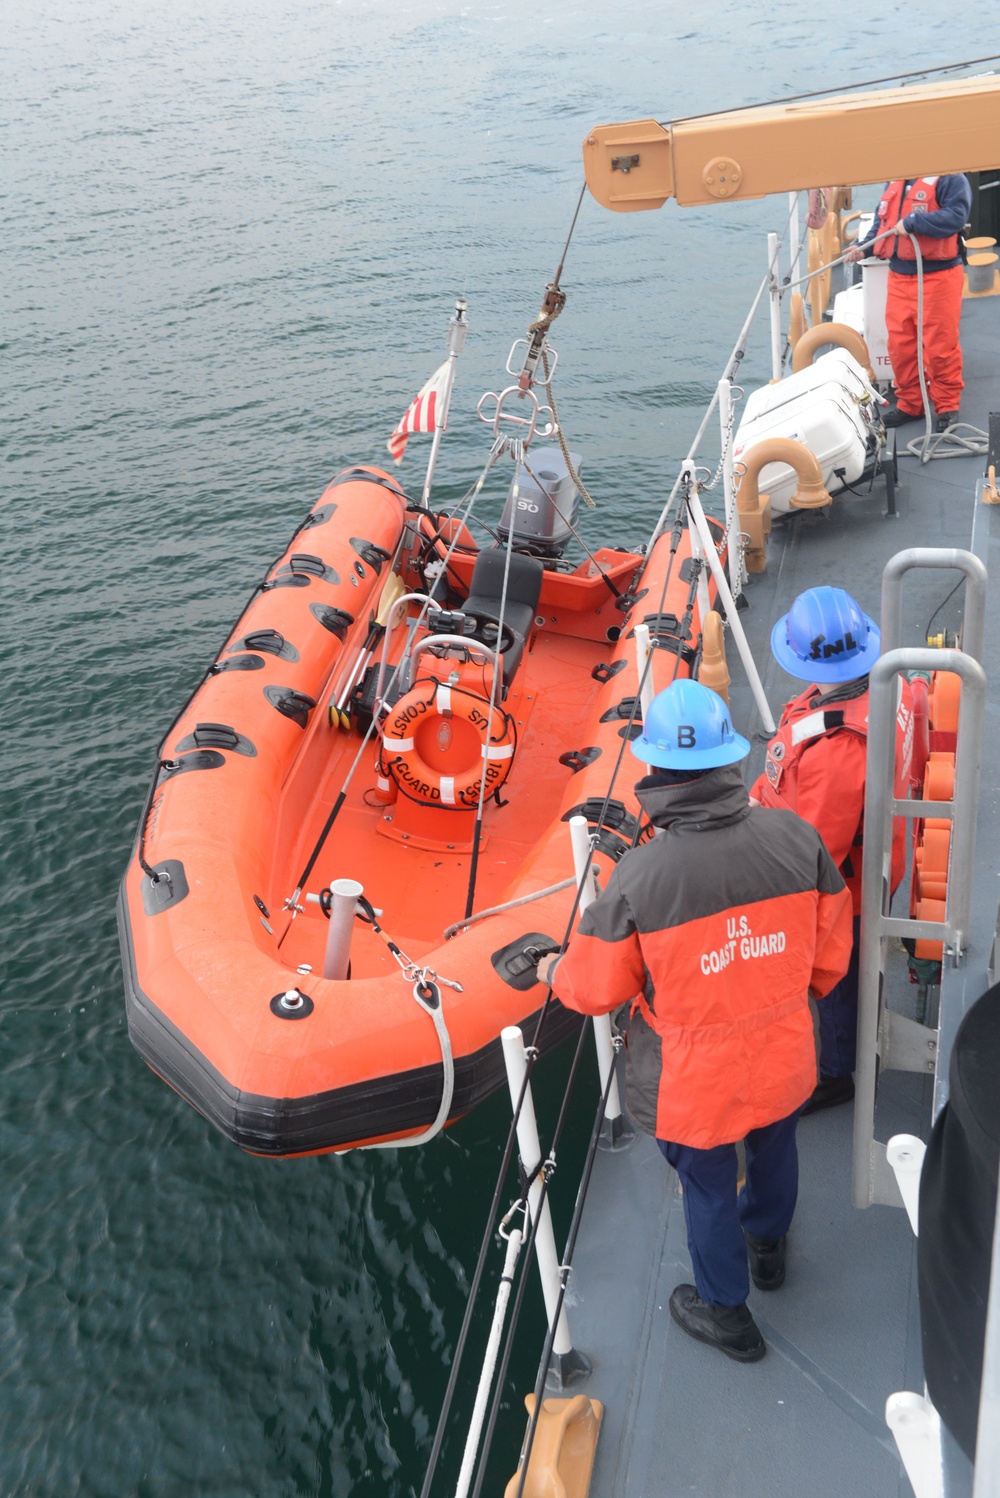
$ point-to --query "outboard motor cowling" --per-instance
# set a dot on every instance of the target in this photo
(543, 513)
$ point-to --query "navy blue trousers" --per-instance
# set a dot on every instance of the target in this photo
(716, 1216)
(838, 1018)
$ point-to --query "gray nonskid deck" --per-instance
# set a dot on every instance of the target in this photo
(843, 1333)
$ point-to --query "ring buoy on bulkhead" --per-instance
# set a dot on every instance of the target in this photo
(435, 744)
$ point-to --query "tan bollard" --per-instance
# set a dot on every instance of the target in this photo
(562, 1454)
(797, 324)
(713, 671)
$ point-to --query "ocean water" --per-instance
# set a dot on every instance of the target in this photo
(232, 238)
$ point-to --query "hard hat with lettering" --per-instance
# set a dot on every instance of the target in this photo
(688, 727)
(826, 637)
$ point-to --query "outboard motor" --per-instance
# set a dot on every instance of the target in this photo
(544, 513)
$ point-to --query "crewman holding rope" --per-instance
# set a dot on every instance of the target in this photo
(934, 210)
(815, 766)
(717, 931)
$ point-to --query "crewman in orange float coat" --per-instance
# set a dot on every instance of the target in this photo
(816, 766)
(717, 931)
(935, 210)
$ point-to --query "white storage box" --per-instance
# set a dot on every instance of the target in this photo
(830, 408)
(848, 308)
(874, 287)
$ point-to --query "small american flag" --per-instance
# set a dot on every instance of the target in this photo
(422, 415)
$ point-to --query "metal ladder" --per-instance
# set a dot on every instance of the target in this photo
(886, 1038)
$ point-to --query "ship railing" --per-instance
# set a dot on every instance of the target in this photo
(727, 393)
(888, 1039)
(536, 1173)
(561, 1363)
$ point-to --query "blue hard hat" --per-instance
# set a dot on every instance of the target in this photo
(825, 636)
(688, 727)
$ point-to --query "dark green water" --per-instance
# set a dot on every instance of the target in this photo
(232, 235)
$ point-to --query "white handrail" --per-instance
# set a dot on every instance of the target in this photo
(732, 615)
(489, 1364)
(579, 830)
(516, 1061)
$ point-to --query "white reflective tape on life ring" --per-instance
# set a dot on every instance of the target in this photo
(398, 746)
(448, 790)
(442, 700)
(497, 751)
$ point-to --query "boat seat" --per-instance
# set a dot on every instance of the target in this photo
(524, 585)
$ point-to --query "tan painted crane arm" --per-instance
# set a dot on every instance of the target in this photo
(951, 126)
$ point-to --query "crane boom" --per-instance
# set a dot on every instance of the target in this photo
(950, 126)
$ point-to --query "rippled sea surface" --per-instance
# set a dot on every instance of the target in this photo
(232, 237)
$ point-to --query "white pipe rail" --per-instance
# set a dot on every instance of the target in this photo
(699, 546)
(916, 1429)
(579, 831)
(729, 606)
(734, 551)
(644, 669)
(793, 236)
(343, 903)
(458, 330)
(774, 290)
(886, 1040)
(489, 1365)
(516, 1061)
(905, 1153)
(732, 364)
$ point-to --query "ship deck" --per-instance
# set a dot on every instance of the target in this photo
(843, 1333)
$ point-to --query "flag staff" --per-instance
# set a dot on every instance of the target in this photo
(457, 331)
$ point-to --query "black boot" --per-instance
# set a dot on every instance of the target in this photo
(767, 1261)
(729, 1328)
(897, 417)
(829, 1092)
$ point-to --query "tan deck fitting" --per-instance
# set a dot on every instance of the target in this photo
(714, 672)
(562, 1454)
(850, 138)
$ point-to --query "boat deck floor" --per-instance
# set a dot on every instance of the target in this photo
(843, 1333)
(420, 895)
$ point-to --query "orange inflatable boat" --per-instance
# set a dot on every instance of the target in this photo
(389, 690)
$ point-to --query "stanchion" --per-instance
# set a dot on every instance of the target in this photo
(566, 1361)
(617, 1129)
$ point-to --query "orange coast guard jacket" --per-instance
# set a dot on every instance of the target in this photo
(816, 766)
(716, 930)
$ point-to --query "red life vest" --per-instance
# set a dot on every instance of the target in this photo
(921, 198)
(802, 723)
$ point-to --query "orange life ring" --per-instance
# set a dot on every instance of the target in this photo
(436, 740)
